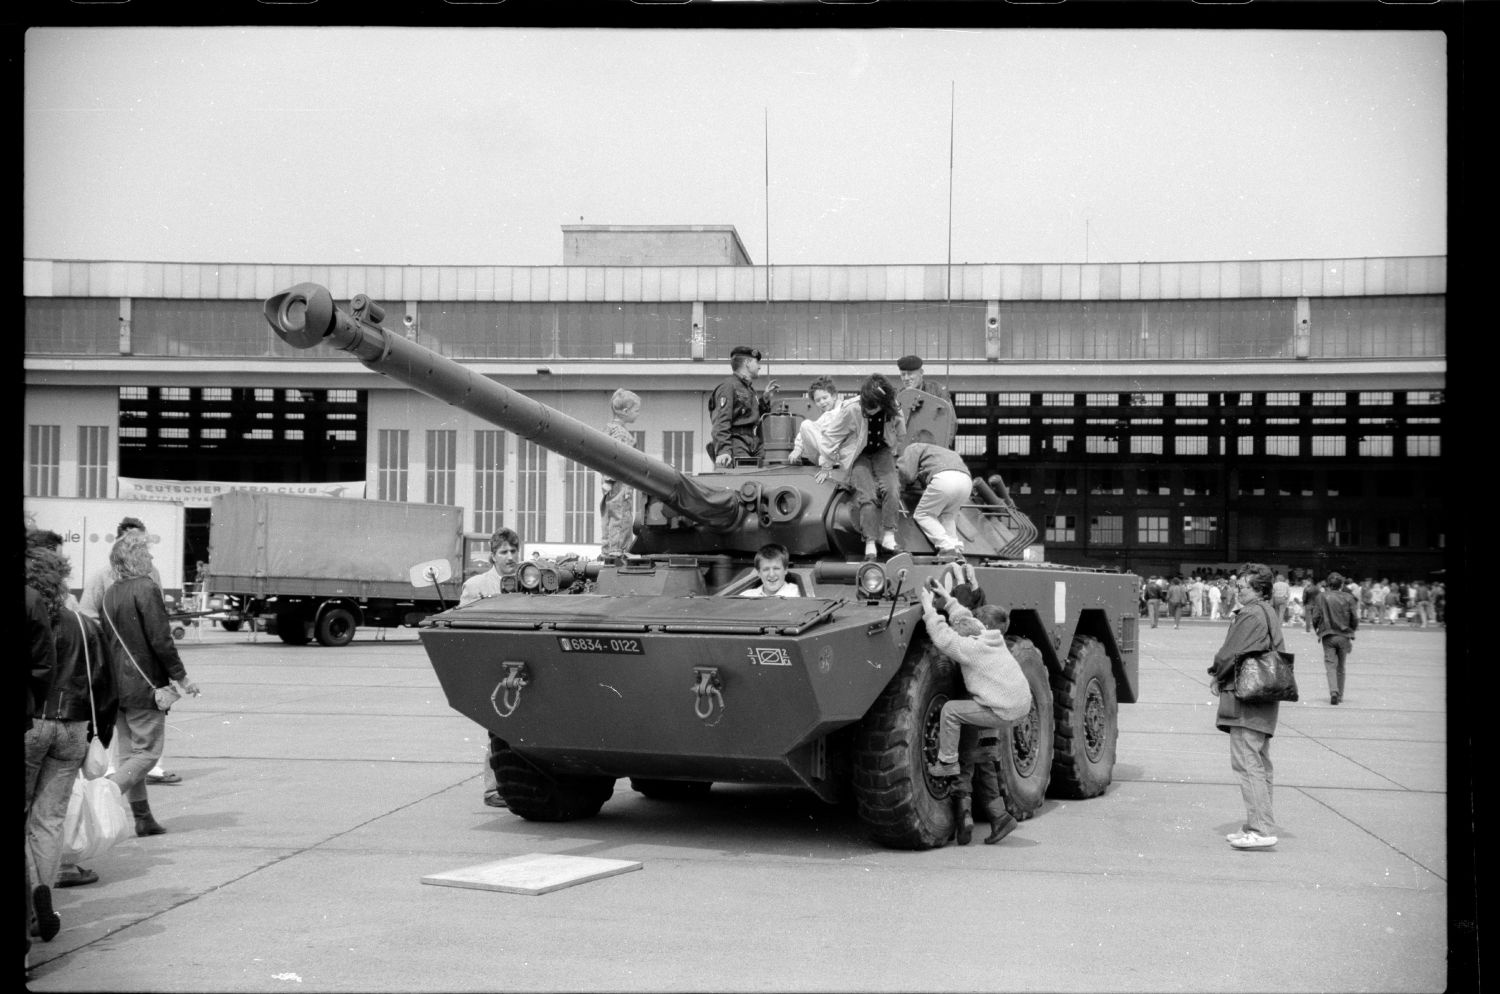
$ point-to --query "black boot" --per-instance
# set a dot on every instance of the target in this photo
(963, 813)
(145, 824)
(1002, 822)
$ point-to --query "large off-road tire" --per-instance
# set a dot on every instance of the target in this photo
(537, 795)
(336, 627)
(1026, 745)
(1087, 721)
(671, 790)
(899, 802)
(291, 627)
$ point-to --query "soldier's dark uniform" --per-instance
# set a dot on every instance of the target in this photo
(930, 386)
(735, 409)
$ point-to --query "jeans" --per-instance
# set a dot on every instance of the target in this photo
(872, 473)
(1153, 608)
(1250, 758)
(1335, 651)
(956, 713)
(937, 511)
(140, 734)
(54, 752)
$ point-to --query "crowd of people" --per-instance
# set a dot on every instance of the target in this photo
(98, 669)
(1214, 596)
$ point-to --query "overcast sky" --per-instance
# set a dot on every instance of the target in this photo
(474, 146)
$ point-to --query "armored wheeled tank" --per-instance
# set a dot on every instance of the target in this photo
(658, 672)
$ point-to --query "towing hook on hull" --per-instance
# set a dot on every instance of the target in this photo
(509, 689)
(706, 691)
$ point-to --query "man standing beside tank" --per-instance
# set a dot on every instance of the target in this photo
(913, 378)
(735, 409)
(505, 553)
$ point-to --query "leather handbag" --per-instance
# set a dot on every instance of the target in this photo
(1265, 676)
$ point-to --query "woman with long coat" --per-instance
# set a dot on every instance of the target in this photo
(1250, 726)
(144, 658)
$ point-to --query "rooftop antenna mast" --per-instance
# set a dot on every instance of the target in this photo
(948, 278)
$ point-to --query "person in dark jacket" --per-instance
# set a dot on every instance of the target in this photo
(1335, 616)
(43, 659)
(144, 658)
(1256, 627)
(81, 685)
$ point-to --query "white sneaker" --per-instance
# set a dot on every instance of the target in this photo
(1252, 840)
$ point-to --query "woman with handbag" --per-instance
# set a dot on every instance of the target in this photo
(145, 664)
(79, 705)
(1255, 628)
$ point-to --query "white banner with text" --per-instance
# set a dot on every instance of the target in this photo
(199, 493)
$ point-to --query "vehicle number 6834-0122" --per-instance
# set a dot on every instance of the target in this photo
(609, 646)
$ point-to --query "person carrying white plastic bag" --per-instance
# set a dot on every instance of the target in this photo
(80, 694)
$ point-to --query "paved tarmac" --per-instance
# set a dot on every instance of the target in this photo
(320, 786)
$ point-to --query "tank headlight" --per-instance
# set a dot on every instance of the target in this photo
(870, 580)
(530, 577)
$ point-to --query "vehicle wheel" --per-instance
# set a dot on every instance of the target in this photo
(336, 627)
(290, 627)
(536, 795)
(671, 790)
(900, 803)
(230, 626)
(178, 632)
(1088, 722)
(1026, 752)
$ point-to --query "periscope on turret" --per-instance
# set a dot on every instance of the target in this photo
(654, 671)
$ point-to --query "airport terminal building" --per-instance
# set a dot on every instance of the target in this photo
(1147, 416)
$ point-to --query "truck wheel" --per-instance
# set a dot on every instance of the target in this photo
(336, 627)
(537, 795)
(1026, 747)
(1088, 722)
(178, 632)
(900, 803)
(671, 790)
(290, 627)
(230, 626)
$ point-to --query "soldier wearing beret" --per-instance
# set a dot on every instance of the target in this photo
(912, 378)
(735, 409)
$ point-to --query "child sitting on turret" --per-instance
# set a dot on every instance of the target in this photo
(812, 436)
(771, 563)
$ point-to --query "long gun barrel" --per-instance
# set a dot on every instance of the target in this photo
(305, 316)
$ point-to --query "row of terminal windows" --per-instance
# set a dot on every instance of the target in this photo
(1322, 398)
(1287, 446)
(1340, 328)
(1152, 528)
(1195, 482)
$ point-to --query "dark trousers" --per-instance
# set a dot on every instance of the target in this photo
(1335, 652)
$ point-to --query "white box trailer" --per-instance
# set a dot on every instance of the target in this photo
(87, 527)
